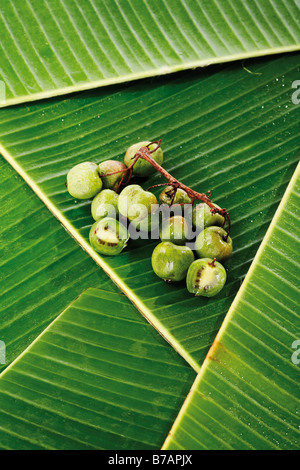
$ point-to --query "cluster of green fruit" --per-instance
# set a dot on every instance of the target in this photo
(173, 259)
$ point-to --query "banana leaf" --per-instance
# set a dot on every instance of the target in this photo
(246, 395)
(42, 269)
(55, 47)
(99, 377)
(225, 129)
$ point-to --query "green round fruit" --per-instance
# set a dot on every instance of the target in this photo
(212, 243)
(111, 166)
(141, 226)
(202, 217)
(105, 204)
(142, 167)
(175, 230)
(166, 196)
(170, 262)
(135, 203)
(83, 180)
(205, 277)
(108, 236)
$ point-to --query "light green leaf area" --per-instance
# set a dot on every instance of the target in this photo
(50, 48)
(99, 377)
(42, 269)
(246, 395)
(229, 130)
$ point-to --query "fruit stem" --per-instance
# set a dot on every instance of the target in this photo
(145, 153)
(156, 186)
(213, 263)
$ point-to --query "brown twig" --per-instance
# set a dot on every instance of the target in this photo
(212, 263)
(145, 153)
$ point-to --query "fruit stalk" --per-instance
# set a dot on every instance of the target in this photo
(145, 153)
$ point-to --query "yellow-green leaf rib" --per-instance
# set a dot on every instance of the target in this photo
(246, 395)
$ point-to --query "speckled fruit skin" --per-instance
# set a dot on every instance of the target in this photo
(110, 166)
(205, 278)
(108, 236)
(143, 168)
(105, 204)
(83, 180)
(181, 196)
(210, 243)
(202, 217)
(174, 230)
(170, 262)
(134, 195)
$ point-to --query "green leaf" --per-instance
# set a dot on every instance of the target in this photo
(99, 377)
(51, 48)
(225, 130)
(42, 269)
(247, 393)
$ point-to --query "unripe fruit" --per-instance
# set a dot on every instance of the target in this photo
(135, 203)
(205, 277)
(105, 204)
(138, 206)
(180, 197)
(108, 236)
(142, 167)
(213, 242)
(170, 262)
(175, 230)
(203, 217)
(111, 166)
(83, 180)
